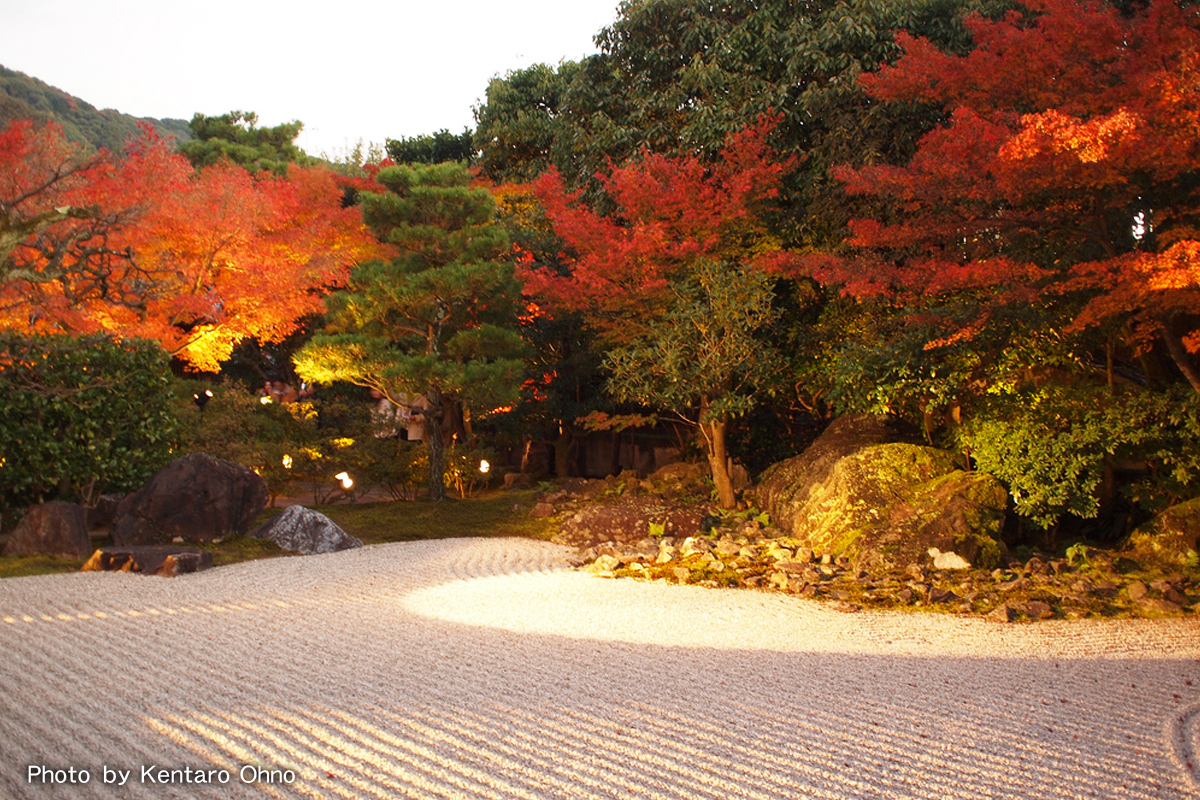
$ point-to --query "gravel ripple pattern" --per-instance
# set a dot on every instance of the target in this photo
(485, 668)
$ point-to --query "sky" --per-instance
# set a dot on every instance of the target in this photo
(349, 70)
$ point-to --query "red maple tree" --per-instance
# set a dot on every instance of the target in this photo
(669, 212)
(1065, 166)
(151, 248)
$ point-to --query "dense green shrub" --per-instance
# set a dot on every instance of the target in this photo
(81, 416)
(299, 446)
(1053, 447)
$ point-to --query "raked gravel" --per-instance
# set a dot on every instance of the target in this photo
(485, 668)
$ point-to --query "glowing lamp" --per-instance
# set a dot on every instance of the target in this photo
(345, 478)
(287, 461)
(201, 399)
(265, 399)
(484, 466)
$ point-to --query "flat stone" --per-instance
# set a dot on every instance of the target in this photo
(163, 561)
(1159, 605)
(1137, 591)
(1037, 609)
(542, 510)
(1002, 613)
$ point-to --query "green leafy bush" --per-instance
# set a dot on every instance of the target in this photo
(81, 416)
(1053, 446)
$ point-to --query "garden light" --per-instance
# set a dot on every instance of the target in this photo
(345, 478)
(201, 400)
(484, 466)
(287, 461)
(265, 399)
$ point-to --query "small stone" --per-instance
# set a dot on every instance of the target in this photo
(904, 595)
(826, 570)
(1037, 609)
(940, 595)
(791, 566)
(542, 510)
(804, 554)
(826, 558)
(1137, 591)
(727, 547)
(1159, 606)
(1002, 613)
(1082, 586)
(605, 563)
(948, 560)
(750, 551)
(681, 573)
(779, 580)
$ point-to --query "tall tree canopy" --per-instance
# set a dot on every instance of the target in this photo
(143, 245)
(438, 319)
(674, 279)
(235, 137)
(1066, 168)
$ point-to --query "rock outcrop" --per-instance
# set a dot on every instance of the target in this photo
(303, 530)
(884, 504)
(196, 499)
(53, 529)
(628, 520)
(1171, 540)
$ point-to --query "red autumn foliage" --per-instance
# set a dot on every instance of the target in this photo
(195, 260)
(670, 212)
(1067, 124)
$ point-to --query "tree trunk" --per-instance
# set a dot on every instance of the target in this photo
(718, 460)
(1181, 357)
(436, 445)
(563, 446)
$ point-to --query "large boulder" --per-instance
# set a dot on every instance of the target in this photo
(886, 505)
(197, 498)
(788, 483)
(54, 529)
(303, 530)
(628, 521)
(1169, 541)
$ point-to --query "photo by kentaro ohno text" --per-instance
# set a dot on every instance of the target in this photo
(154, 774)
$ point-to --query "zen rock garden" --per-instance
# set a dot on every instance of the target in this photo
(867, 520)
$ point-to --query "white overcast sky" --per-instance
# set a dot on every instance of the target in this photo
(351, 69)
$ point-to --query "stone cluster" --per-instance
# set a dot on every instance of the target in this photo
(758, 557)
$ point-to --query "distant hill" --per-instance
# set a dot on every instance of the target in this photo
(24, 97)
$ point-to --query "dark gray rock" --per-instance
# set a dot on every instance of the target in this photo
(303, 530)
(53, 529)
(197, 498)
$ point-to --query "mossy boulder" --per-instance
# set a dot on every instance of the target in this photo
(886, 505)
(1170, 541)
(789, 482)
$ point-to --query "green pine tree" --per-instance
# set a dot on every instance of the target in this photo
(439, 319)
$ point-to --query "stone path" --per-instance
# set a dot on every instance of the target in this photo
(475, 668)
